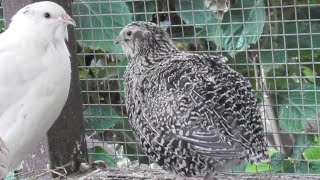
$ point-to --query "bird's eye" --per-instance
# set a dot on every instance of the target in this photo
(47, 15)
(129, 33)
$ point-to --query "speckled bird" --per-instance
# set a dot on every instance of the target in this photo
(191, 113)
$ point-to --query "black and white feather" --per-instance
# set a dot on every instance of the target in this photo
(191, 113)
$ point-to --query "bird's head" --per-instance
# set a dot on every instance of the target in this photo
(44, 18)
(144, 39)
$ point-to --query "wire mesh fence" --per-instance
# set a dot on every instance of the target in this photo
(274, 44)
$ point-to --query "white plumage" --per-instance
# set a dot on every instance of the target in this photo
(35, 77)
(3, 158)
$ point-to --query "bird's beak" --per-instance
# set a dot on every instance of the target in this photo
(68, 20)
(118, 40)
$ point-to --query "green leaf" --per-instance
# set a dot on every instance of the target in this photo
(272, 151)
(193, 12)
(302, 142)
(105, 72)
(302, 168)
(312, 153)
(280, 163)
(239, 27)
(316, 139)
(252, 168)
(308, 72)
(304, 39)
(314, 167)
(99, 22)
(297, 106)
(277, 78)
(303, 33)
(101, 117)
(141, 10)
(98, 153)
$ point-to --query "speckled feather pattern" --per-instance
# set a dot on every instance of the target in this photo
(191, 113)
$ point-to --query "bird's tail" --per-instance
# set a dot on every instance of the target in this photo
(260, 153)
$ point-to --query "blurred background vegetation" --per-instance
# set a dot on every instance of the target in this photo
(274, 43)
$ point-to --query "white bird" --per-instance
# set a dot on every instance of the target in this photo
(3, 158)
(35, 76)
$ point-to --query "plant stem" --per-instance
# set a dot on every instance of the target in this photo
(269, 112)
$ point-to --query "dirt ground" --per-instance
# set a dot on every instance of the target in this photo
(157, 174)
(35, 168)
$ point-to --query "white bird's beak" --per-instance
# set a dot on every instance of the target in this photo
(68, 20)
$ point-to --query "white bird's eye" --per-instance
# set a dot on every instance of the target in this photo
(47, 15)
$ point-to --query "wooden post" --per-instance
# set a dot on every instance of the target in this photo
(66, 137)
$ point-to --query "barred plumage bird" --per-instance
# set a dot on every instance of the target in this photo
(191, 113)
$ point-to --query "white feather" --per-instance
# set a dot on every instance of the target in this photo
(35, 77)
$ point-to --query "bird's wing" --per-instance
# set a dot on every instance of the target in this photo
(210, 100)
(209, 143)
(19, 68)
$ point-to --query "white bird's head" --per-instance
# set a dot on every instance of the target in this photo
(45, 18)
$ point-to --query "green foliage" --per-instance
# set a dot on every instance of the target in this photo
(280, 163)
(192, 12)
(304, 160)
(271, 58)
(142, 10)
(239, 28)
(260, 168)
(312, 153)
(305, 38)
(309, 74)
(297, 106)
(98, 153)
(101, 117)
(301, 144)
(100, 20)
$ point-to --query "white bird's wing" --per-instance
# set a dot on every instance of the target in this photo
(18, 71)
(3, 159)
